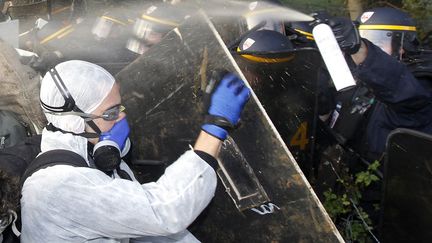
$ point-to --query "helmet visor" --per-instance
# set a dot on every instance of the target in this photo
(270, 24)
(102, 28)
(137, 46)
(148, 32)
(381, 38)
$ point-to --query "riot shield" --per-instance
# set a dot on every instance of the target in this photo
(268, 197)
(407, 201)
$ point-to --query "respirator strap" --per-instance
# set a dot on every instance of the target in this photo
(94, 127)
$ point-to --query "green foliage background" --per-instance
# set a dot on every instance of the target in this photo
(309, 6)
(421, 10)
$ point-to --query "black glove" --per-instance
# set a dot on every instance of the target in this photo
(346, 33)
(46, 61)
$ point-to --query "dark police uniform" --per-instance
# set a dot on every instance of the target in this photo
(401, 100)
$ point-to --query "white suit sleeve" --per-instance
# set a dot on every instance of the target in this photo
(99, 206)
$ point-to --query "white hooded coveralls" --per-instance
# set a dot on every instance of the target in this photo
(78, 204)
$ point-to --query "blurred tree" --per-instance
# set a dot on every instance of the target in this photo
(334, 7)
(421, 11)
(355, 8)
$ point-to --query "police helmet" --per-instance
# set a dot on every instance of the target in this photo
(390, 29)
(266, 46)
(156, 21)
(302, 28)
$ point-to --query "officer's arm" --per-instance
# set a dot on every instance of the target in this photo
(361, 55)
(389, 79)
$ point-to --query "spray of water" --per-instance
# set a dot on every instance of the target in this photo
(108, 44)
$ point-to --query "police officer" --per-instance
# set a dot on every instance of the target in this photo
(387, 95)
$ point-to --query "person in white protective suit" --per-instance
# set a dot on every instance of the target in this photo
(64, 203)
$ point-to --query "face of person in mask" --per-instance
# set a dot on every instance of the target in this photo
(111, 102)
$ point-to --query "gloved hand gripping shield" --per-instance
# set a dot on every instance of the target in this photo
(226, 105)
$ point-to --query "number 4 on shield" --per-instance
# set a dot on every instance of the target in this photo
(300, 137)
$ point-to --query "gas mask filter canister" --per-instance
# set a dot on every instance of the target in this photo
(112, 146)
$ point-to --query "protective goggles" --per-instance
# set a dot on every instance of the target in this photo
(111, 114)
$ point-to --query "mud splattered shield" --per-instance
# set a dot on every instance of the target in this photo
(164, 89)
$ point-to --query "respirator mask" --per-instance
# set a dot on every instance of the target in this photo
(112, 146)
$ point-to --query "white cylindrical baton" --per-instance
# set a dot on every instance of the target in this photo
(333, 57)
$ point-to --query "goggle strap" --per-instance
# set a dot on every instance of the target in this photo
(77, 112)
(69, 101)
(54, 109)
(85, 116)
(52, 128)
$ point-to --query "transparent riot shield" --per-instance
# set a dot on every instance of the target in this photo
(407, 201)
(268, 198)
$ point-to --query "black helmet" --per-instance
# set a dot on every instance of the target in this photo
(300, 33)
(303, 28)
(266, 46)
(390, 29)
(156, 21)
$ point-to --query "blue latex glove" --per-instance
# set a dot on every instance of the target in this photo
(118, 133)
(228, 101)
